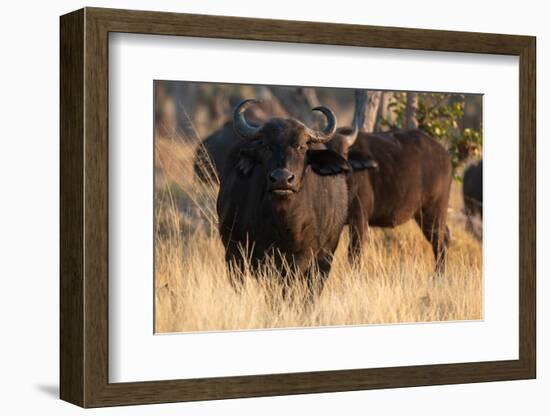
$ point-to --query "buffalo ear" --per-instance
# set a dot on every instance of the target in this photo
(326, 162)
(362, 161)
(246, 162)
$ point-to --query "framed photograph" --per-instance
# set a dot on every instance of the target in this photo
(260, 207)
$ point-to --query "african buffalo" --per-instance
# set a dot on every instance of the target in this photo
(210, 155)
(396, 176)
(472, 192)
(283, 194)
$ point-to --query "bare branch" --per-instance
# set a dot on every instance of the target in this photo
(411, 121)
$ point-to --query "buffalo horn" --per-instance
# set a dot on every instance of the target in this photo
(245, 130)
(350, 135)
(324, 135)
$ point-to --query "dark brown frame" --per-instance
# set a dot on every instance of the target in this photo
(84, 208)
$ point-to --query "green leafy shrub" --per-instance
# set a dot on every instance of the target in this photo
(440, 116)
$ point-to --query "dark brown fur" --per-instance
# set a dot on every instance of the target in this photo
(472, 193)
(301, 229)
(397, 176)
(211, 154)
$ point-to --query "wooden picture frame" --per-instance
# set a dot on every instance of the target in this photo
(84, 207)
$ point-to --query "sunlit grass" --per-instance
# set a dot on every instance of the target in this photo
(392, 283)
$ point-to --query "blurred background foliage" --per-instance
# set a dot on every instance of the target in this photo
(195, 110)
(453, 119)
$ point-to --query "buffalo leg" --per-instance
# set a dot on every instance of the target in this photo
(437, 233)
(316, 280)
(358, 235)
(470, 212)
(472, 209)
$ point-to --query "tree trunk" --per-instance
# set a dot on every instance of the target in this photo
(166, 123)
(411, 121)
(185, 94)
(384, 112)
(360, 107)
(366, 109)
(310, 96)
(270, 103)
(297, 102)
(373, 103)
(471, 118)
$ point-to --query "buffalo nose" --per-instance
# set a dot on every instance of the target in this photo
(281, 177)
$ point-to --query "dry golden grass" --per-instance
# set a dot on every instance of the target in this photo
(392, 284)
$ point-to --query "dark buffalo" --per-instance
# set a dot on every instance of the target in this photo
(211, 154)
(283, 194)
(472, 192)
(396, 176)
